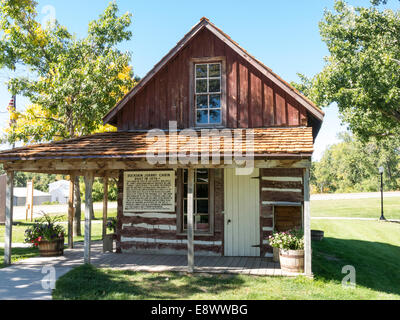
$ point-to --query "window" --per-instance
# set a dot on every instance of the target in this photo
(208, 93)
(202, 194)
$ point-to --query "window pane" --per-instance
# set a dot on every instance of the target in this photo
(203, 218)
(215, 116)
(202, 101)
(202, 191)
(215, 70)
(202, 175)
(185, 206)
(185, 175)
(201, 71)
(202, 224)
(215, 101)
(201, 86)
(215, 85)
(202, 206)
(185, 190)
(185, 222)
(202, 116)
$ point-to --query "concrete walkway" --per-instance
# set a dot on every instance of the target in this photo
(23, 280)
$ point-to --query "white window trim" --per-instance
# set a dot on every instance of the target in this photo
(192, 94)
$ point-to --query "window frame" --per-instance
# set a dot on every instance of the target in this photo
(192, 94)
(180, 206)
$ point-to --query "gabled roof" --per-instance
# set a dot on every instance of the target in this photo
(268, 142)
(205, 23)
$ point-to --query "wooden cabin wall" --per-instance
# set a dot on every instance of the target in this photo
(154, 232)
(278, 187)
(252, 100)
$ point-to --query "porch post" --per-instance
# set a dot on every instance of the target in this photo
(307, 227)
(9, 217)
(71, 212)
(190, 234)
(105, 203)
(88, 218)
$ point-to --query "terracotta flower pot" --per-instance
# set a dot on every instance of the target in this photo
(292, 260)
(52, 248)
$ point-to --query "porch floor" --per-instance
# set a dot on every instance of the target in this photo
(203, 264)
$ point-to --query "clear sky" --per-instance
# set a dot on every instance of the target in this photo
(282, 34)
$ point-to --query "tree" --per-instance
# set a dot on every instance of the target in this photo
(362, 72)
(74, 81)
(352, 165)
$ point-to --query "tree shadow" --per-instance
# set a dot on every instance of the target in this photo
(376, 264)
(88, 282)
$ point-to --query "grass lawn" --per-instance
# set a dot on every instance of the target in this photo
(371, 247)
(361, 208)
(18, 254)
(19, 231)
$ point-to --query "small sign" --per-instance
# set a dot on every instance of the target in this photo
(149, 191)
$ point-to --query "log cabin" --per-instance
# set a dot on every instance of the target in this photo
(182, 195)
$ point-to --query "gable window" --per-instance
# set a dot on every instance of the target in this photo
(202, 202)
(208, 93)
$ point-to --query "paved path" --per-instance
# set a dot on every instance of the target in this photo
(23, 280)
(362, 195)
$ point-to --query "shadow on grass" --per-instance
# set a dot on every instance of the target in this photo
(18, 254)
(88, 282)
(376, 263)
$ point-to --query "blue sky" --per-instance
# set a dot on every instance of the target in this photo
(284, 35)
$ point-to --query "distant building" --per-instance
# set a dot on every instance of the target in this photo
(59, 191)
(38, 197)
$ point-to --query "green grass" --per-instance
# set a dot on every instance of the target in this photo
(18, 232)
(18, 254)
(98, 214)
(18, 235)
(371, 247)
(360, 208)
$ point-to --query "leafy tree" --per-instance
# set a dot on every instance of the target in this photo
(362, 72)
(352, 166)
(74, 81)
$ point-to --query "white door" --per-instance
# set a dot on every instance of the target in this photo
(242, 214)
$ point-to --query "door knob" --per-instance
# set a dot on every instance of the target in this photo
(229, 221)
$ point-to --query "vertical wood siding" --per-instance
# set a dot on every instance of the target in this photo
(252, 100)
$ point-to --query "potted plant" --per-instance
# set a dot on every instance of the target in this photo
(47, 235)
(109, 238)
(291, 249)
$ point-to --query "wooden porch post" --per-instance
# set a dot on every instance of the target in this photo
(88, 218)
(307, 226)
(105, 204)
(71, 212)
(9, 217)
(190, 234)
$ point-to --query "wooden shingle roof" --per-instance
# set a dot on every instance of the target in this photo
(268, 142)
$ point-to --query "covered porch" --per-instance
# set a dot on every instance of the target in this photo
(111, 154)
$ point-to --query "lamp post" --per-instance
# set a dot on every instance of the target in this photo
(381, 170)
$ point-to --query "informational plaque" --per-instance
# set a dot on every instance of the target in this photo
(149, 191)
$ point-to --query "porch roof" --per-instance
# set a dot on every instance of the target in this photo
(268, 142)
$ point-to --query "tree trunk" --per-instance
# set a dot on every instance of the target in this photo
(77, 205)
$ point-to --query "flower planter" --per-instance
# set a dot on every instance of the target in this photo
(53, 248)
(108, 242)
(292, 260)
